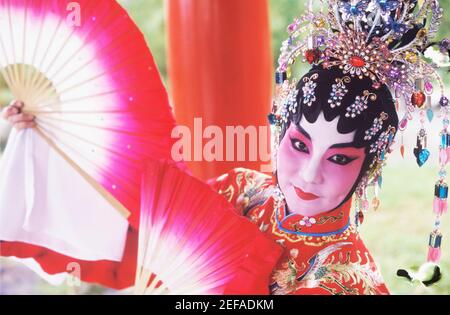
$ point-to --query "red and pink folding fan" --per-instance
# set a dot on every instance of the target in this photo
(192, 241)
(84, 69)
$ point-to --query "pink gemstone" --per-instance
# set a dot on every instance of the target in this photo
(376, 85)
(443, 157)
(429, 87)
(403, 124)
(366, 204)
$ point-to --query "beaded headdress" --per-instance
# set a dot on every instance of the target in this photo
(387, 41)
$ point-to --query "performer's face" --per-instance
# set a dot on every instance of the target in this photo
(317, 166)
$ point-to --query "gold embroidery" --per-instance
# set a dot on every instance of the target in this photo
(330, 218)
(346, 275)
(228, 193)
(239, 178)
(255, 191)
(310, 278)
(355, 273)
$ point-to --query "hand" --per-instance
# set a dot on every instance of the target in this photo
(13, 114)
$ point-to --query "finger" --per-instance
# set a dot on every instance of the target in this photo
(25, 125)
(18, 104)
(9, 111)
(21, 118)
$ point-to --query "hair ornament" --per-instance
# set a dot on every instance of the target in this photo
(339, 90)
(360, 104)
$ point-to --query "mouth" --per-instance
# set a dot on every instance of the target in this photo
(305, 195)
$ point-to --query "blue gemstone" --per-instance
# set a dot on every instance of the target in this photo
(430, 115)
(280, 77)
(444, 140)
(435, 240)
(441, 191)
(380, 181)
(423, 157)
(272, 119)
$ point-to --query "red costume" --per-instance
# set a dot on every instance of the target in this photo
(323, 254)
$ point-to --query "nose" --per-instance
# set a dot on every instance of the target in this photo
(311, 171)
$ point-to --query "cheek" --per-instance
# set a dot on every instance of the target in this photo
(289, 160)
(340, 179)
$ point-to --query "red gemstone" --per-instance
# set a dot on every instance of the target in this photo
(312, 55)
(357, 61)
(418, 99)
(360, 217)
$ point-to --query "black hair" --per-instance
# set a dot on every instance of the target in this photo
(325, 79)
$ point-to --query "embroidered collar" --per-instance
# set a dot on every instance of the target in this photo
(325, 224)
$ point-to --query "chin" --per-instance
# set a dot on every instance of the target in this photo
(306, 209)
(310, 208)
(303, 207)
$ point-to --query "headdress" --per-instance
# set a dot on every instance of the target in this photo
(385, 41)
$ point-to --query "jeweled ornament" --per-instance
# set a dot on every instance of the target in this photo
(418, 99)
(312, 55)
(421, 155)
(357, 61)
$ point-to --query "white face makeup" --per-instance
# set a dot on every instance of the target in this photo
(317, 166)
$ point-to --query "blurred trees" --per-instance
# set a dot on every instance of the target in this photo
(150, 16)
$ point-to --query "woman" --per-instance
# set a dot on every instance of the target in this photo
(323, 156)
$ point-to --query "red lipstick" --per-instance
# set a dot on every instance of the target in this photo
(304, 195)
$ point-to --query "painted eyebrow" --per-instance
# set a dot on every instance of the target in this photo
(343, 145)
(303, 131)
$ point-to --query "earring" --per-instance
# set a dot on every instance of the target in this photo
(420, 151)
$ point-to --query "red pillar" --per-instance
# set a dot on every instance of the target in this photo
(220, 69)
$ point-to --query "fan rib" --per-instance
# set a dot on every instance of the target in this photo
(127, 160)
(33, 59)
(87, 63)
(38, 80)
(100, 189)
(130, 182)
(126, 186)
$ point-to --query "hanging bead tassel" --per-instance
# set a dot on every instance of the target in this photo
(434, 250)
(360, 217)
(440, 205)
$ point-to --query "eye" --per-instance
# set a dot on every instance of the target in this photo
(341, 159)
(299, 145)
